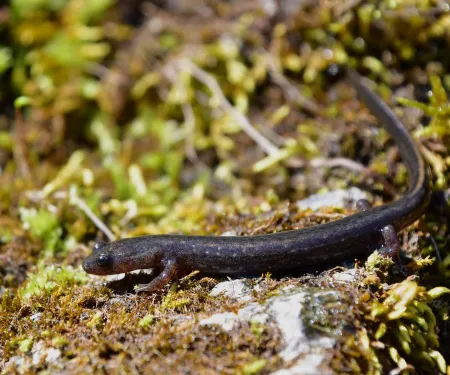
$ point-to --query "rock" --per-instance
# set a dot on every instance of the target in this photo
(237, 289)
(227, 321)
(301, 353)
(336, 198)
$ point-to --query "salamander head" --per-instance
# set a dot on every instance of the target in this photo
(120, 256)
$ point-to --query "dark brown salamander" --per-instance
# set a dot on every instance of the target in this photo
(353, 236)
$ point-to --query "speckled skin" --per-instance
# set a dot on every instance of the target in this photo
(347, 238)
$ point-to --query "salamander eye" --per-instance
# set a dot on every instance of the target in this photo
(99, 245)
(103, 260)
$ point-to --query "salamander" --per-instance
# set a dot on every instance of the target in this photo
(353, 236)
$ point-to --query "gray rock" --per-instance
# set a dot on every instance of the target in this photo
(236, 289)
(301, 353)
(335, 198)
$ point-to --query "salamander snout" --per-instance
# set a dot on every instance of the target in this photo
(124, 255)
(100, 262)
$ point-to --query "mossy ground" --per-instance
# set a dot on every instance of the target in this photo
(203, 117)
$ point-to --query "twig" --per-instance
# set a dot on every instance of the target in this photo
(338, 162)
(189, 132)
(78, 202)
(343, 163)
(130, 214)
(189, 118)
(209, 81)
(100, 71)
(329, 163)
(291, 92)
(324, 215)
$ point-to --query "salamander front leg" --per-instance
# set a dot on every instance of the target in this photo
(161, 280)
(362, 205)
(391, 242)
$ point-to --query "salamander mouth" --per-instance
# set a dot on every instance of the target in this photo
(86, 267)
(90, 267)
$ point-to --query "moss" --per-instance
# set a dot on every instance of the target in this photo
(378, 263)
(146, 321)
(254, 368)
(96, 321)
(48, 278)
(405, 316)
(439, 111)
(59, 341)
(41, 223)
(25, 345)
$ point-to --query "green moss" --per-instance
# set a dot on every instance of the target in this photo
(59, 341)
(45, 225)
(379, 264)
(257, 328)
(96, 321)
(22, 101)
(405, 316)
(49, 278)
(175, 301)
(254, 367)
(5, 59)
(25, 345)
(146, 321)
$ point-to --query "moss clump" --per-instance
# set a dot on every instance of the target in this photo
(48, 278)
(146, 321)
(405, 318)
(45, 225)
(254, 368)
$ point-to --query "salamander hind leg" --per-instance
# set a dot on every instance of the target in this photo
(391, 242)
(161, 280)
